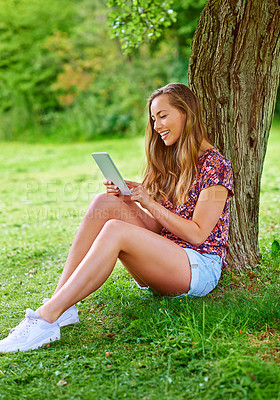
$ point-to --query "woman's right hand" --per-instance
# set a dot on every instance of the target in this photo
(111, 188)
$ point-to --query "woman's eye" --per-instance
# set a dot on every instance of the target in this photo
(163, 116)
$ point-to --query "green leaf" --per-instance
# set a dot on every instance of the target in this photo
(134, 22)
(275, 248)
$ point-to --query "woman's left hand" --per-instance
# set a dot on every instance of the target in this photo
(139, 193)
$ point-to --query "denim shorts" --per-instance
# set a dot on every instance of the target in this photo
(205, 270)
(205, 273)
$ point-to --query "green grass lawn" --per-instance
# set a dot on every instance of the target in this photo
(129, 343)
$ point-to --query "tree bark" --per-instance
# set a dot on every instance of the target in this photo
(234, 69)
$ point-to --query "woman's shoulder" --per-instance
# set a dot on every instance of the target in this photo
(213, 158)
(215, 169)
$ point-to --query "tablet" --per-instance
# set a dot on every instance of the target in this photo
(111, 172)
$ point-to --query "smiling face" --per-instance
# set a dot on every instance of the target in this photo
(169, 122)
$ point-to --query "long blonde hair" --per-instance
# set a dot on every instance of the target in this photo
(170, 170)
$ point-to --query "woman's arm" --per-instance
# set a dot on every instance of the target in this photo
(207, 212)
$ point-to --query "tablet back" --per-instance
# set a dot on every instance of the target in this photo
(110, 171)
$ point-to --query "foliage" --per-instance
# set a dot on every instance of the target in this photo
(129, 343)
(188, 13)
(87, 86)
(133, 21)
(26, 68)
(275, 249)
(275, 254)
(101, 88)
(64, 79)
(132, 34)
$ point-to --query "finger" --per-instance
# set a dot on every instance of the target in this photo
(113, 187)
(131, 183)
(136, 191)
(135, 194)
(113, 191)
(106, 182)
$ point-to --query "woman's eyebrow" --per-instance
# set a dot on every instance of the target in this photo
(159, 112)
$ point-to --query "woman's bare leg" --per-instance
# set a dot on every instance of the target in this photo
(103, 208)
(160, 263)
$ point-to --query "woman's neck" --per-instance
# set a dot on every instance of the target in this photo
(204, 146)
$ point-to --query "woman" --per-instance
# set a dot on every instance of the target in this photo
(170, 234)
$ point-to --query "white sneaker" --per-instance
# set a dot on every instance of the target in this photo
(31, 333)
(69, 316)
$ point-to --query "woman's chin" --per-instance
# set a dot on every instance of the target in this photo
(169, 143)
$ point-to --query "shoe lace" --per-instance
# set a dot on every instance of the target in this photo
(23, 328)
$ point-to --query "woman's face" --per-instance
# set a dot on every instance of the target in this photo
(169, 122)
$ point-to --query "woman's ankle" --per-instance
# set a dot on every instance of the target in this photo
(45, 315)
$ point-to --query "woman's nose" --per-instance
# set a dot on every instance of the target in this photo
(157, 125)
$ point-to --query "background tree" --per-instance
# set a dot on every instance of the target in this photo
(234, 69)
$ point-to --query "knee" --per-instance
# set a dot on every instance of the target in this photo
(101, 206)
(115, 228)
(113, 232)
(100, 199)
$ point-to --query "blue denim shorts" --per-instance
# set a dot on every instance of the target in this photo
(205, 273)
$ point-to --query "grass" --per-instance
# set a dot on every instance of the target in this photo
(129, 343)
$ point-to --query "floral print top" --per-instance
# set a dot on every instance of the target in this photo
(212, 169)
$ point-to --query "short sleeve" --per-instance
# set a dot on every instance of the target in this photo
(217, 171)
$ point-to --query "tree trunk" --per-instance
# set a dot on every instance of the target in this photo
(234, 69)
